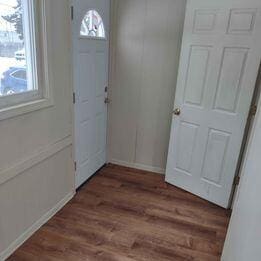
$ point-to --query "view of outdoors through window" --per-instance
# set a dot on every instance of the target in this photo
(13, 69)
(92, 25)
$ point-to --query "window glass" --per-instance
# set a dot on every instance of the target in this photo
(15, 48)
(20, 74)
(92, 25)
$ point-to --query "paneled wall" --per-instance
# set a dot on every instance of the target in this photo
(145, 48)
(36, 170)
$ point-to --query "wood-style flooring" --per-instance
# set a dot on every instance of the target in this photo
(125, 214)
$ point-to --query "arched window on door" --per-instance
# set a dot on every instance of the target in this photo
(92, 25)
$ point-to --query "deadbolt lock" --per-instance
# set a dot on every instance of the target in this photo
(177, 111)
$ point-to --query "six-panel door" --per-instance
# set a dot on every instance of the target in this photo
(218, 68)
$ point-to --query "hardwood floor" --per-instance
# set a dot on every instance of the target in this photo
(124, 214)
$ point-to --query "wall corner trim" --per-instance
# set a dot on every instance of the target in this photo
(36, 226)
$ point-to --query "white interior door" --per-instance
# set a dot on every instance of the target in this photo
(219, 62)
(90, 33)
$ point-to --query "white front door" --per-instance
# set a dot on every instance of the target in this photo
(220, 56)
(90, 33)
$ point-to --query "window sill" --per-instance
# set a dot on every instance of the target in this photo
(24, 108)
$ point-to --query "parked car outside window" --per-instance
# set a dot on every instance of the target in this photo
(13, 81)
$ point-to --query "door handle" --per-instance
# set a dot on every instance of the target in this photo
(177, 111)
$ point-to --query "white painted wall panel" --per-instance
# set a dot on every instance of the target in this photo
(146, 37)
(38, 144)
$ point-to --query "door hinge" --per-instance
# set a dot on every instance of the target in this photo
(236, 180)
(72, 13)
(74, 98)
(253, 111)
(75, 166)
(106, 89)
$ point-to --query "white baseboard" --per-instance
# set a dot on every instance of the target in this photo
(29, 232)
(138, 166)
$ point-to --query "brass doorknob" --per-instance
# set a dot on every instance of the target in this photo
(177, 111)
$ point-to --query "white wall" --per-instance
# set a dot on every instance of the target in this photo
(36, 149)
(146, 37)
(244, 235)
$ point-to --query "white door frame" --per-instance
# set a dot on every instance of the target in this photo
(247, 136)
(243, 238)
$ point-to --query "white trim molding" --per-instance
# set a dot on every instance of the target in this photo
(138, 166)
(36, 226)
(23, 108)
(39, 156)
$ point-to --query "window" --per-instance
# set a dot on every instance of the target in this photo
(20, 74)
(92, 25)
(23, 68)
